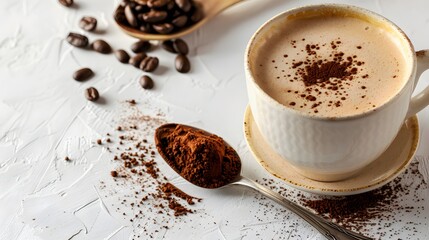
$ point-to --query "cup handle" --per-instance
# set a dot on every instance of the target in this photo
(421, 100)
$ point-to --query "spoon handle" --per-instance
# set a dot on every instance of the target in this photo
(328, 229)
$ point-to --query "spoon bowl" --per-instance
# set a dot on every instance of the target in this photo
(210, 9)
(213, 178)
(326, 228)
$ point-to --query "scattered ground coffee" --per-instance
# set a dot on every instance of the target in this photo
(377, 214)
(152, 197)
(357, 211)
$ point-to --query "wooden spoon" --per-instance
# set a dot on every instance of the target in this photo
(210, 8)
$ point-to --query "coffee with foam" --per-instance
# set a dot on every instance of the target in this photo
(330, 64)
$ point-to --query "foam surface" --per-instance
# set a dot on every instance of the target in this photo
(374, 53)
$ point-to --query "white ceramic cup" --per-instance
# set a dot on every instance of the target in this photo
(328, 149)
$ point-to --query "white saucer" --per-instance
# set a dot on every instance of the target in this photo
(383, 170)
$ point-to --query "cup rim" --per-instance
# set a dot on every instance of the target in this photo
(408, 47)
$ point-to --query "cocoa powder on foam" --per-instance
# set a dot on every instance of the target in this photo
(329, 66)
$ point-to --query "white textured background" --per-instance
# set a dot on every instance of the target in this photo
(44, 117)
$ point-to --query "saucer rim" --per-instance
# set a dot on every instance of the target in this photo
(248, 120)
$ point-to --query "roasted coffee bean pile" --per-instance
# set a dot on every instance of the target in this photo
(159, 16)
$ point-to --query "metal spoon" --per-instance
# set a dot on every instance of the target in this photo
(326, 228)
(210, 8)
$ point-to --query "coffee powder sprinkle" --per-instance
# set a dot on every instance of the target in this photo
(358, 211)
(394, 211)
(154, 203)
(326, 75)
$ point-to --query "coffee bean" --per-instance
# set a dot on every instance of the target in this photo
(154, 16)
(123, 3)
(141, 2)
(180, 46)
(197, 15)
(182, 64)
(83, 74)
(91, 94)
(146, 28)
(157, 3)
(180, 21)
(185, 5)
(176, 13)
(101, 46)
(88, 23)
(170, 6)
(129, 15)
(131, 3)
(137, 59)
(66, 3)
(149, 64)
(163, 28)
(141, 8)
(120, 16)
(146, 82)
(168, 46)
(141, 46)
(122, 56)
(77, 40)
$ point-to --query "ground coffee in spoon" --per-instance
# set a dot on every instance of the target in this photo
(202, 158)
